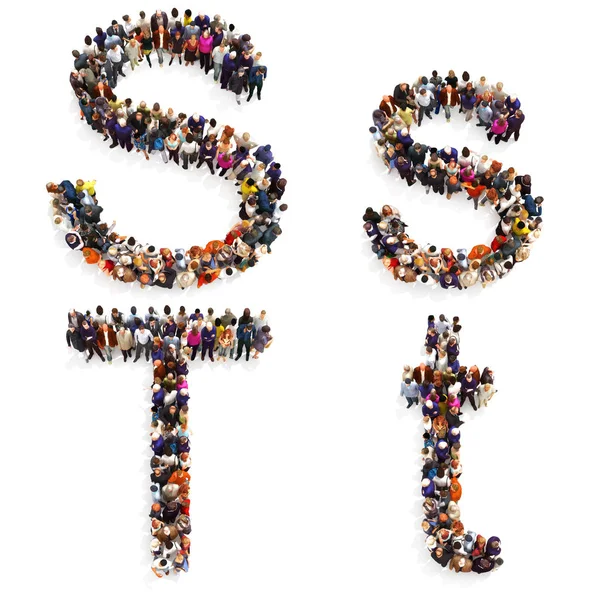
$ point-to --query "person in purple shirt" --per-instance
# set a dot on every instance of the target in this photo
(512, 103)
(448, 153)
(229, 67)
(208, 153)
(124, 132)
(467, 390)
(453, 363)
(264, 154)
(274, 171)
(514, 125)
(209, 333)
(90, 339)
(450, 280)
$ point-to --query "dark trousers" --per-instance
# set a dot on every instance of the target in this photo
(438, 189)
(422, 112)
(241, 346)
(209, 163)
(208, 348)
(223, 171)
(205, 62)
(412, 401)
(126, 354)
(471, 396)
(258, 87)
(191, 158)
(140, 347)
(92, 347)
(194, 351)
(497, 139)
(118, 68)
(509, 133)
(174, 154)
(126, 144)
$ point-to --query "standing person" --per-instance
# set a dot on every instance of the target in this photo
(132, 50)
(116, 57)
(484, 115)
(205, 47)
(177, 46)
(143, 341)
(90, 339)
(255, 80)
(147, 44)
(190, 48)
(498, 129)
(162, 41)
(410, 390)
(514, 125)
(262, 340)
(425, 101)
(245, 336)
(74, 339)
(125, 342)
(194, 340)
(189, 150)
(449, 98)
(225, 343)
(209, 335)
(107, 340)
(208, 153)
(238, 83)
(218, 54)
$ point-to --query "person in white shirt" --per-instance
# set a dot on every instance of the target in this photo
(189, 150)
(128, 25)
(484, 394)
(143, 22)
(218, 54)
(261, 320)
(115, 55)
(143, 341)
(482, 86)
(425, 101)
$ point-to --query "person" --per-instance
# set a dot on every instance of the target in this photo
(125, 342)
(238, 82)
(143, 342)
(449, 98)
(90, 339)
(208, 335)
(107, 340)
(410, 390)
(448, 541)
(245, 336)
(255, 81)
(161, 39)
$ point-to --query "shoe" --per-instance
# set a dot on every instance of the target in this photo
(180, 61)
(427, 191)
(447, 120)
(106, 137)
(259, 97)
(147, 359)
(110, 362)
(429, 116)
(125, 359)
(239, 102)
(212, 359)
(248, 99)
(135, 360)
(237, 358)
(162, 65)
(103, 359)
(170, 62)
(87, 360)
(114, 145)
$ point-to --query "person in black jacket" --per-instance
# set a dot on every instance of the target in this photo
(436, 181)
(74, 339)
(237, 83)
(90, 339)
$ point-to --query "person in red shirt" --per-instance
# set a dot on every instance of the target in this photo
(474, 189)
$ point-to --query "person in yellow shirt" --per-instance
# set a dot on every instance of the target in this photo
(248, 188)
(187, 18)
(520, 228)
(88, 186)
(115, 104)
(220, 329)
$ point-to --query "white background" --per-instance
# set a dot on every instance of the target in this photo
(305, 476)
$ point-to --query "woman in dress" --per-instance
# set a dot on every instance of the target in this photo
(191, 50)
(176, 46)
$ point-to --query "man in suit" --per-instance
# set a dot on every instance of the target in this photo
(423, 373)
(161, 38)
(116, 29)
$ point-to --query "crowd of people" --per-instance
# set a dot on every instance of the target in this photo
(171, 341)
(440, 386)
(180, 38)
(77, 213)
(446, 171)
(185, 140)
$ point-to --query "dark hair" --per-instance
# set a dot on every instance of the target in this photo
(175, 13)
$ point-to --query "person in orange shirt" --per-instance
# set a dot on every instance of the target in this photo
(179, 477)
(91, 256)
(455, 490)
(479, 252)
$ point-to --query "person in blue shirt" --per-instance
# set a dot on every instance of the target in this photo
(245, 337)
(255, 81)
(263, 154)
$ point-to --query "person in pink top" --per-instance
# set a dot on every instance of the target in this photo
(467, 175)
(193, 340)
(225, 161)
(498, 128)
(205, 47)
